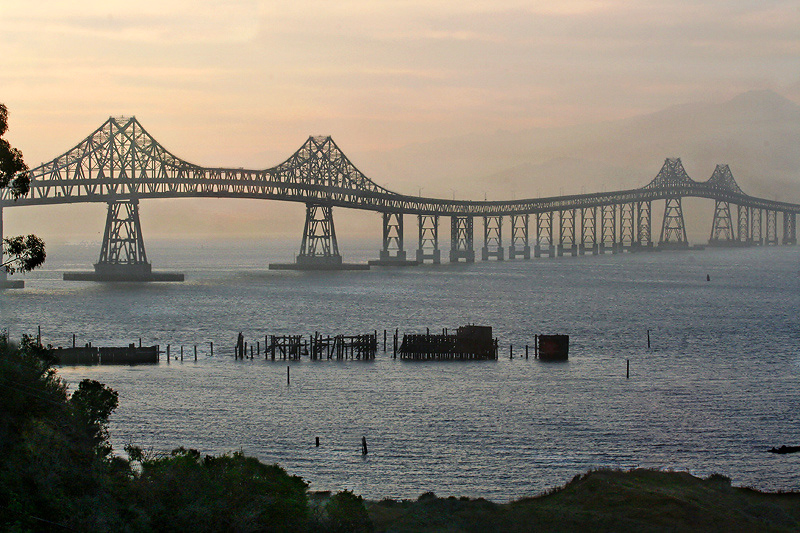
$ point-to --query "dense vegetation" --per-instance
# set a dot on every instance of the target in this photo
(57, 472)
(23, 253)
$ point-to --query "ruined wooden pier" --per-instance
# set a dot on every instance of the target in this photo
(469, 343)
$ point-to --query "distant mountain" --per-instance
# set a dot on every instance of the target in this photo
(757, 133)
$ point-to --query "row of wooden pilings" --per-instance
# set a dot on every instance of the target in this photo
(339, 347)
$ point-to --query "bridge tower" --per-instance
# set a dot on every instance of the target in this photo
(122, 254)
(673, 229)
(461, 239)
(492, 238)
(520, 246)
(722, 225)
(566, 232)
(544, 235)
(392, 253)
(319, 245)
(608, 229)
(588, 230)
(429, 239)
(319, 249)
(789, 228)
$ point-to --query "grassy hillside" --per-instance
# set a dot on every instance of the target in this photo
(604, 500)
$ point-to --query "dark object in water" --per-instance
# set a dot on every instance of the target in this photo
(785, 449)
(553, 347)
(470, 342)
(93, 355)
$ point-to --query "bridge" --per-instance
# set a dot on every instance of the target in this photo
(120, 163)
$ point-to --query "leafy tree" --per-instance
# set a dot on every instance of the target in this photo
(346, 513)
(94, 403)
(187, 492)
(25, 252)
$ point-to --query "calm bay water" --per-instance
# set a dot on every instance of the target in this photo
(719, 386)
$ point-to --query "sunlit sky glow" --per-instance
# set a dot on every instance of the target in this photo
(244, 83)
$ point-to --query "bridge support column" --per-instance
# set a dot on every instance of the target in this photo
(644, 234)
(520, 246)
(544, 235)
(6, 283)
(789, 228)
(461, 239)
(122, 255)
(608, 229)
(492, 238)
(744, 236)
(627, 227)
(392, 253)
(566, 232)
(722, 225)
(588, 230)
(771, 237)
(756, 226)
(673, 229)
(319, 249)
(429, 239)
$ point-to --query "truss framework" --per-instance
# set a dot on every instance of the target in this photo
(122, 160)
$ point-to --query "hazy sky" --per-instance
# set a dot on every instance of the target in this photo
(230, 82)
(244, 83)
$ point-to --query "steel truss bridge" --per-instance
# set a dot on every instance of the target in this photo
(120, 163)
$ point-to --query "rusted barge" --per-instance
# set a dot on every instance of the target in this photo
(470, 342)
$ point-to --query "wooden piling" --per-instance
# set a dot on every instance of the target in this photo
(167, 353)
(73, 340)
(511, 351)
(363, 445)
(317, 442)
(212, 348)
(648, 338)
(526, 352)
(384, 340)
(140, 342)
(536, 346)
(288, 380)
(627, 368)
(195, 352)
(181, 352)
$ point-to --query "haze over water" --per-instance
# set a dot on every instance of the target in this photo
(718, 387)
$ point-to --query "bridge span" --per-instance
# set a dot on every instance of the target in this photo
(120, 163)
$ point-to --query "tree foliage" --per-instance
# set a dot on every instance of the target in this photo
(57, 470)
(13, 170)
(25, 252)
